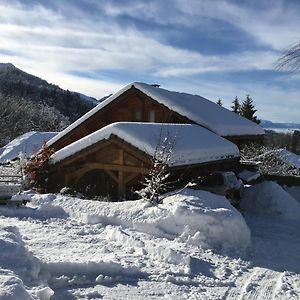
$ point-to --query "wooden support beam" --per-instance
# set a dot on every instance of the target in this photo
(121, 184)
(113, 167)
(74, 176)
(112, 175)
(130, 177)
(82, 154)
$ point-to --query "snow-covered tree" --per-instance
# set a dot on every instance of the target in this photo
(18, 116)
(248, 110)
(236, 107)
(156, 182)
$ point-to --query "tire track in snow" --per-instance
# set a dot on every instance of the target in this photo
(261, 284)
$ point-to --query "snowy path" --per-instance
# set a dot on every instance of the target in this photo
(275, 256)
(257, 284)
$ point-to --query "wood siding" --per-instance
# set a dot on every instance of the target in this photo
(122, 109)
(121, 162)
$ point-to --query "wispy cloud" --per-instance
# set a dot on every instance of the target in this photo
(57, 39)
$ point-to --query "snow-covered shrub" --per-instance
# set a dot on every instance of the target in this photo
(37, 170)
(272, 161)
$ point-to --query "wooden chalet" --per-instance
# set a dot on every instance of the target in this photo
(140, 102)
(97, 152)
(113, 160)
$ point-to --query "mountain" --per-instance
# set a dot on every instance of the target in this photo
(29, 103)
(15, 82)
(272, 125)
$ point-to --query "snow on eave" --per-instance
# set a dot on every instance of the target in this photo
(202, 111)
(189, 149)
(230, 125)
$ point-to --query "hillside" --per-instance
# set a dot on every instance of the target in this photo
(31, 103)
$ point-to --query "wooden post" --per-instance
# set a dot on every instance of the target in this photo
(67, 179)
(121, 183)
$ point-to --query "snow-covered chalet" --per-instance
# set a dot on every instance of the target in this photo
(111, 147)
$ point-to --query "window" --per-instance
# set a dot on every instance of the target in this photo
(152, 116)
(137, 116)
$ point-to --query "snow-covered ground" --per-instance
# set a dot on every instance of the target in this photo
(193, 246)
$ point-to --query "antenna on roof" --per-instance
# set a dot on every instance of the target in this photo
(155, 85)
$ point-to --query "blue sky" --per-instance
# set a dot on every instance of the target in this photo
(214, 48)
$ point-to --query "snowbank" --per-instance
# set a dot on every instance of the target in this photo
(269, 198)
(18, 268)
(46, 210)
(12, 288)
(195, 217)
(14, 256)
(294, 191)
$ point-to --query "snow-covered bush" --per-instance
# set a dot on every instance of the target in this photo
(37, 170)
(272, 161)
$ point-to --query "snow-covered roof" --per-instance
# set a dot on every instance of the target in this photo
(192, 144)
(25, 144)
(196, 108)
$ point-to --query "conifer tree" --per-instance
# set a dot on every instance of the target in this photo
(236, 107)
(248, 111)
(219, 102)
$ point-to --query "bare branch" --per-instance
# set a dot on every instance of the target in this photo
(290, 60)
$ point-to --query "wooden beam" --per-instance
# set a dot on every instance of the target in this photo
(107, 167)
(112, 175)
(121, 185)
(82, 153)
(115, 167)
(131, 150)
(130, 177)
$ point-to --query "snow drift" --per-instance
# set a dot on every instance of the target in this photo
(269, 198)
(196, 217)
(18, 267)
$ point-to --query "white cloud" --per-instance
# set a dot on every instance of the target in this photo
(51, 44)
(273, 23)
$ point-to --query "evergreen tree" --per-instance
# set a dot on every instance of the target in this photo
(236, 107)
(219, 102)
(248, 111)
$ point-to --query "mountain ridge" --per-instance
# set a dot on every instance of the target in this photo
(28, 103)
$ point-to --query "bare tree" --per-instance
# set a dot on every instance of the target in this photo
(290, 59)
(156, 182)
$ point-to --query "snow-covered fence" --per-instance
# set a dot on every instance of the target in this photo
(10, 185)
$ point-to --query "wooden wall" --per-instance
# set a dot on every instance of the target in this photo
(131, 106)
(121, 163)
